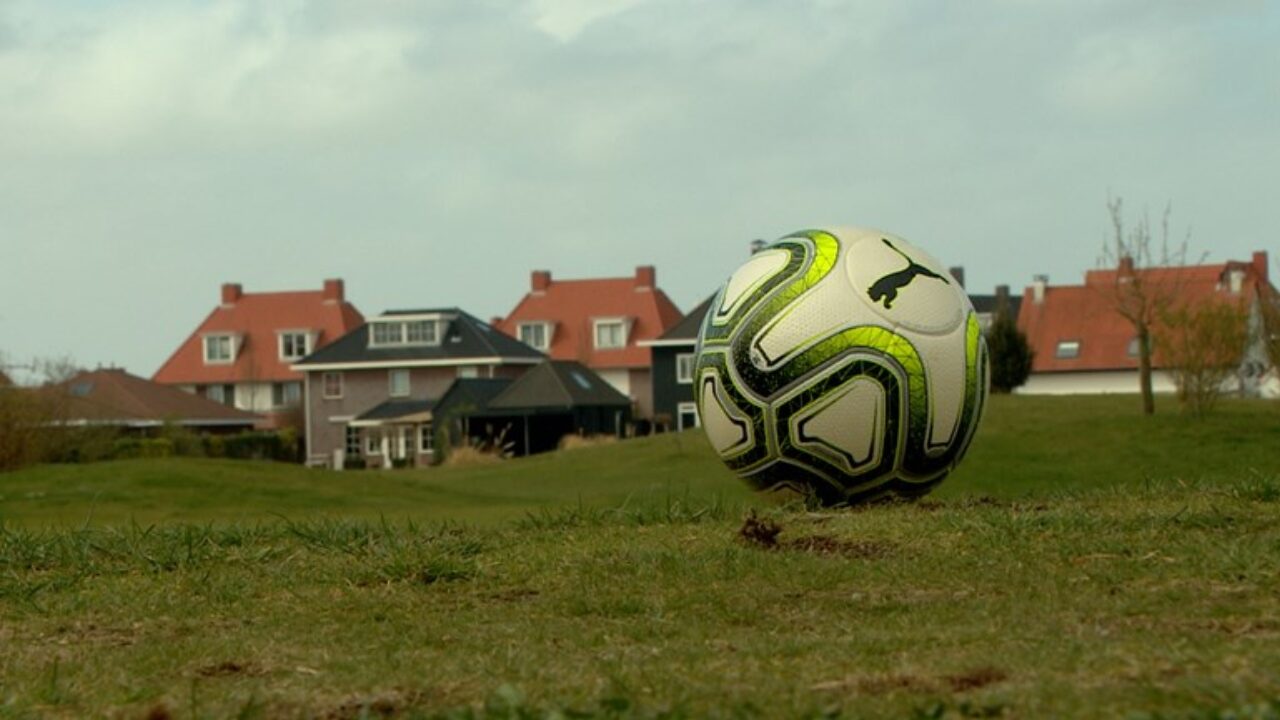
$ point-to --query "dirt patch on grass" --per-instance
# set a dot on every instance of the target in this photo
(229, 668)
(158, 712)
(888, 683)
(976, 678)
(512, 595)
(764, 533)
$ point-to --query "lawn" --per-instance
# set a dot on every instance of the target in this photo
(1084, 562)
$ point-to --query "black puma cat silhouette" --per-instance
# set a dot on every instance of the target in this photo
(887, 287)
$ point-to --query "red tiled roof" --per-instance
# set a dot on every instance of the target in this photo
(572, 306)
(257, 318)
(1087, 314)
(114, 396)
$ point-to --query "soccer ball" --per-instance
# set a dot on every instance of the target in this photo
(845, 364)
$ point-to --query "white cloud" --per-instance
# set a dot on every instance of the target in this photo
(565, 19)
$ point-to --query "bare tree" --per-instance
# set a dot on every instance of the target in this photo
(1139, 292)
(1204, 345)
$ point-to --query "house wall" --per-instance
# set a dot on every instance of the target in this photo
(619, 378)
(1094, 383)
(362, 390)
(668, 393)
(642, 392)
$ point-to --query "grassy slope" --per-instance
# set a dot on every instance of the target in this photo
(1084, 561)
(1027, 446)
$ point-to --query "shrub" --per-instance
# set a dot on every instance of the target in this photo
(1011, 354)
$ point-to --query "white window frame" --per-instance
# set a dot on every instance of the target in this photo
(283, 400)
(392, 374)
(426, 439)
(397, 331)
(684, 368)
(687, 407)
(221, 393)
(468, 371)
(284, 337)
(324, 384)
(544, 327)
(372, 443)
(600, 323)
(231, 349)
(1067, 350)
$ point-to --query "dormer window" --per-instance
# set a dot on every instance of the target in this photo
(294, 344)
(536, 335)
(219, 349)
(400, 331)
(610, 333)
(1068, 350)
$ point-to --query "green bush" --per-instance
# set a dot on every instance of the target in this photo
(137, 447)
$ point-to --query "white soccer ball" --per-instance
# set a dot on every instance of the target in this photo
(846, 364)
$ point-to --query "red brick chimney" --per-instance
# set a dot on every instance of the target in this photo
(231, 292)
(1126, 265)
(1262, 266)
(334, 290)
(646, 277)
(540, 280)
(495, 321)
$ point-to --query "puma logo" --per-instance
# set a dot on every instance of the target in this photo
(887, 287)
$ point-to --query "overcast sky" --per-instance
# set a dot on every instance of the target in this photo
(433, 153)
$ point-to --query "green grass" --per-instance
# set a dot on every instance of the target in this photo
(1085, 562)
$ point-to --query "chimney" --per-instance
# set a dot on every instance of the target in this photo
(1261, 267)
(957, 272)
(495, 321)
(231, 292)
(540, 280)
(1038, 285)
(1002, 298)
(757, 245)
(334, 290)
(646, 277)
(1126, 266)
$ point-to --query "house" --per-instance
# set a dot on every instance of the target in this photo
(986, 306)
(114, 397)
(371, 393)
(1083, 345)
(534, 412)
(241, 354)
(672, 355)
(600, 323)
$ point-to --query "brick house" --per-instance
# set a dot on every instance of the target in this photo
(599, 322)
(241, 354)
(370, 395)
(1082, 345)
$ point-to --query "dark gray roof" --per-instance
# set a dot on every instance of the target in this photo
(465, 337)
(690, 325)
(558, 384)
(468, 395)
(988, 303)
(392, 409)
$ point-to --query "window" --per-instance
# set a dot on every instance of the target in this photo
(353, 441)
(420, 332)
(225, 394)
(686, 416)
(332, 385)
(372, 443)
(398, 383)
(684, 368)
(286, 394)
(610, 334)
(1068, 349)
(1132, 351)
(217, 349)
(385, 333)
(426, 439)
(468, 371)
(404, 332)
(294, 345)
(534, 335)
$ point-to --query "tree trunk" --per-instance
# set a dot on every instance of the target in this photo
(1144, 370)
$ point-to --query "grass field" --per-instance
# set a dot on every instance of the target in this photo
(1085, 562)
